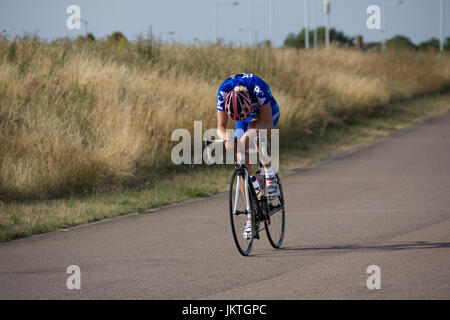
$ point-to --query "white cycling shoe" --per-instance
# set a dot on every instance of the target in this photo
(271, 188)
(248, 230)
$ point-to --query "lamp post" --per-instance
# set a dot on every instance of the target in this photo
(170, 33)
(326, 9)
(315, 25)
(250, 21)
(305, 9)
(271, 33)
(441, 25)
(215, 6)
(384, 21)
(84, 21)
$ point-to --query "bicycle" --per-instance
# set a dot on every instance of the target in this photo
(243, 201)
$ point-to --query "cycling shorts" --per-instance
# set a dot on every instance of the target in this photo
(242, 125)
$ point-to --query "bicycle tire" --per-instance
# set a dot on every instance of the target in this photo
(244, 246)
(277, 219)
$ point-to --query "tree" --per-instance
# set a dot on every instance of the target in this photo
(430, 45)
(117, 38)
(298, 41)
(447, 44)
(90, 36)
(81, 40)
(400, 42)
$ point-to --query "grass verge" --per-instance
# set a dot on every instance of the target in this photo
(23, 218)
(79, 117)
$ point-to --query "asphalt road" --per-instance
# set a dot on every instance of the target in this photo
(387, 205)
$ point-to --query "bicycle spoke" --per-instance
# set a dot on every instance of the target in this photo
(275, 223)
(236, 199)
(239, 205)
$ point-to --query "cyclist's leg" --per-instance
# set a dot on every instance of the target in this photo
(271, 186)
(239, 130)
(275, 120)
(243, 125)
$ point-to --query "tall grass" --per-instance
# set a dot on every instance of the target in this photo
(76, 116)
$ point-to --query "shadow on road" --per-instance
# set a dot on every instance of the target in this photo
(359, 248)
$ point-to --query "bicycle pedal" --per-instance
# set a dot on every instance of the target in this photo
(271, 206)
(256, 236)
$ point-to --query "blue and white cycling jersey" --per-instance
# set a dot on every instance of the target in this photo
(258, 89)
(259, 92)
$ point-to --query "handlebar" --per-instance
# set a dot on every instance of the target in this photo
(209, 142)
(221, 141)
(218, 141)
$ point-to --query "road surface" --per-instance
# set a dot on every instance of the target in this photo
(387, 205)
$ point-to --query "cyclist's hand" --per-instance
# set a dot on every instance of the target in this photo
(229, 143)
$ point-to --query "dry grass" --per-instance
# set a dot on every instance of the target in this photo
(76, 117)
(22, 218)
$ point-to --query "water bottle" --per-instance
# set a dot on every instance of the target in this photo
(256, 187)
(260, 178)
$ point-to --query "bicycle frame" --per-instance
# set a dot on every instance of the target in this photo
(246, 180)
(261, 210)
(238, 189)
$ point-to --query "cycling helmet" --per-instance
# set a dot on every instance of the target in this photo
(238, 104)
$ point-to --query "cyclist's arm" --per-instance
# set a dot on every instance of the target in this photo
(264, 119)
(222, 120)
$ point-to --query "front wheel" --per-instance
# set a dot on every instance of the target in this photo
(238, 213)
(275, 223)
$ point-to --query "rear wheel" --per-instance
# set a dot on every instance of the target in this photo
(238, 213)
(275, 223)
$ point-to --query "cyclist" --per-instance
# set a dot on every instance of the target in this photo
(248, 100)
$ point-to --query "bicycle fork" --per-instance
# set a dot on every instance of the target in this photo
(247, 197)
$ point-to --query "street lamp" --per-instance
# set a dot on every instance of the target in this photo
(441, 25)
(170, 33)
(326, 9)
(315, 25)
(384, 21)
(305, 9)
(271, 33)
(215, 6)
(84, 21)
(250, 21)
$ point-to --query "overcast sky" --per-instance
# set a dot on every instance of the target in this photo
(193, 19)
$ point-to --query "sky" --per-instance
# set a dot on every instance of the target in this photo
(190, 20)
